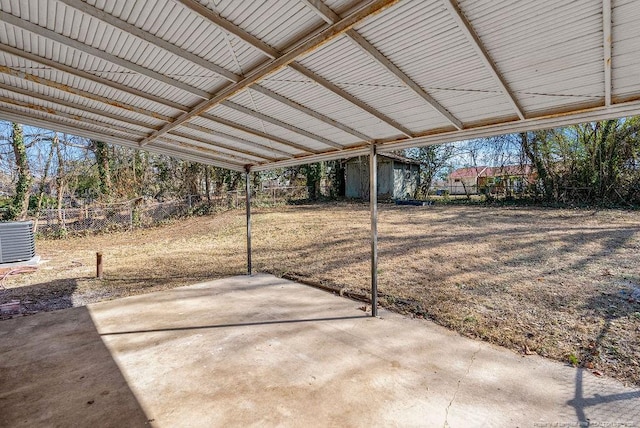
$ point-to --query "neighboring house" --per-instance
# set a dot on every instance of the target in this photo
(507, 180)
(398, 177)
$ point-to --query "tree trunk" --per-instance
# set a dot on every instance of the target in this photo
(104, 173)
(43, 181)
(60, 183)
(20, 203)
(207, 183)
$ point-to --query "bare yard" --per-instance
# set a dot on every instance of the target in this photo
(561, 283)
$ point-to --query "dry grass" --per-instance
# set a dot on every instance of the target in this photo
(559, 283)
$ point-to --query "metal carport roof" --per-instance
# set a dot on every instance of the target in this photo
(262, 84)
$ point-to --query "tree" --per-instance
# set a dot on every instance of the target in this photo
(101, 152)
(20, 203)
(434, 160)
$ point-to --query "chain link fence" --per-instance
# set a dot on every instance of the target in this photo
(139, 213)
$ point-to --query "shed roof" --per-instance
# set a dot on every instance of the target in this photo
(492, 171)
(397, 158)
(247, 84)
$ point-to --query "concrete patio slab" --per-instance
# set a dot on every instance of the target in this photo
(263, 351)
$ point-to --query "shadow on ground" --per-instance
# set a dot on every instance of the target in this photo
(56, 371)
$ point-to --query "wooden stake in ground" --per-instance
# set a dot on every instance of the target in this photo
(99, 265)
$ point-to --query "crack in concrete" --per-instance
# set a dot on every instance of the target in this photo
(473, 357)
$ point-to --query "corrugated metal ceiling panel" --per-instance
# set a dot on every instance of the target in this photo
(625, 59)
(436, 55)
(302, 90)
(67, 80)
(51, 50)
(107, 40)
(244, 135)
(362, 77)
(273, 108)
(49, 115)
(543, 47)
(56, 96)
(268, 128)
(277, 23)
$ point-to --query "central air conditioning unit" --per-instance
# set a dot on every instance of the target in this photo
(17, 243)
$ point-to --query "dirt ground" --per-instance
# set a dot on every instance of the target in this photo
(564, 284)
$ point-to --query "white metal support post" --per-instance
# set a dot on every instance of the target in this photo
(373, 199)
(248, 203)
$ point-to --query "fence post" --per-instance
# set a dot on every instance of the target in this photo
(131, 217)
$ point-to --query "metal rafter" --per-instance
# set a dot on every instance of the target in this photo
(90, 50)
(231, 28)
(260, 72)
(91, 77)
(208, 131)
(84, 75)
(348, 97)
(274, 121)
(150, 38)
(88, 109)
(331, 17)
(79, 92)
(208, 147)
(256, 132)
(269, 51)
(83, 131)
(606, 29)
(319, 116)
(465, 26)
(122, 119)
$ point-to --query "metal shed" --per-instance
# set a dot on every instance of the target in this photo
(398, 177)
(255, 85)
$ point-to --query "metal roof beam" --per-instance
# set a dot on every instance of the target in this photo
(79, 92)
(83, 131)
(348, 97)
(91, 77)
(331, 17)
(606, 29)
(342, 154)
(543, 122)
(465, 26)
(116, 127)
(150, 38)
(90, 50)
(256, 132)
(617, 110)
(284, 100)
(74, 117)
(274, 121)
(205, 130)
(64, 103)
(197, 146)
(310, 44)
(231, 28)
